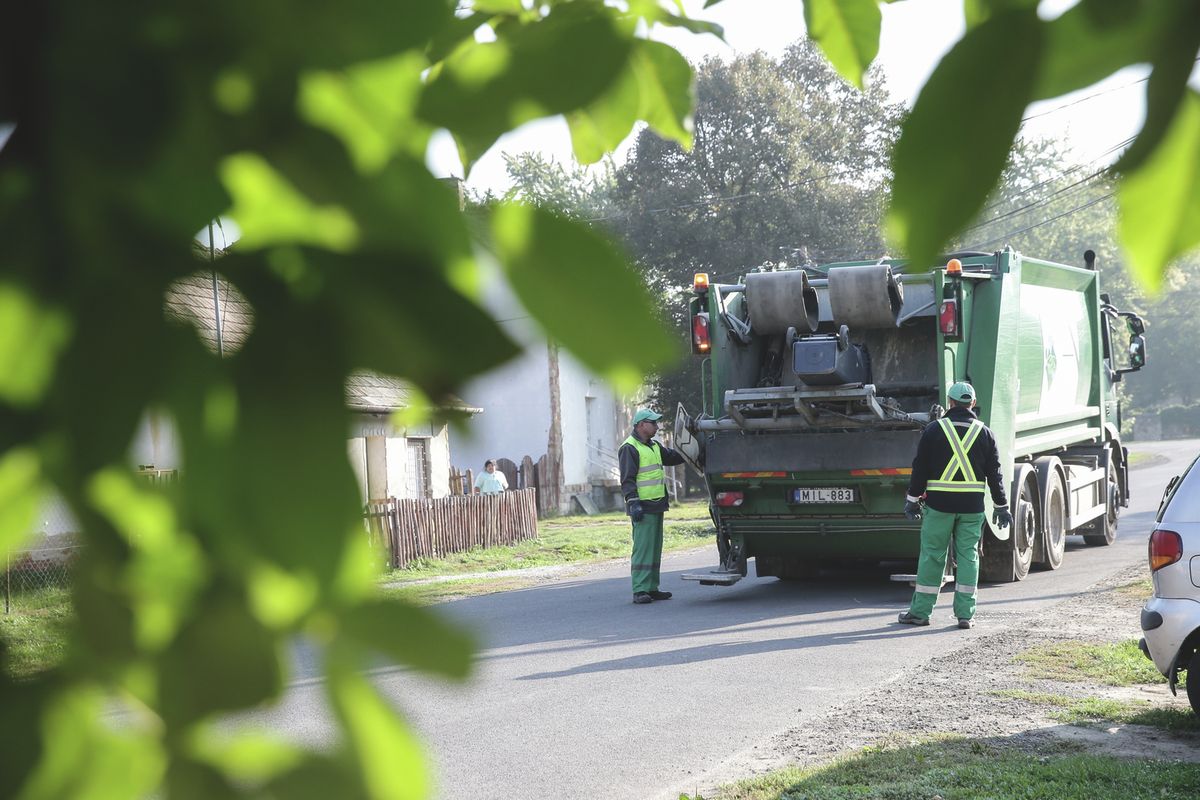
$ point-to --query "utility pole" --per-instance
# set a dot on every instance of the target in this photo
(212, 260)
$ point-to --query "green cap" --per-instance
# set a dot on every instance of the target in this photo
(644, 414)
(961, 392)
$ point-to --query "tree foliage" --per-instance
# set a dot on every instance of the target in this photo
(135, 126)
(789, 165)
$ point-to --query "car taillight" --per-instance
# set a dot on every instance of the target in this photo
(948, 318)
(727, 499)
(1166, 547)
(700, 340)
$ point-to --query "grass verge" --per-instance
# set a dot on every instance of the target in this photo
(1088, 710)
(1110, 664)
(958, 769)
(1139, 590)
(35, 631)
(567, 540)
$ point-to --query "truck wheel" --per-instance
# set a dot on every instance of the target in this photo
(1006, 562)
(1105, 527)
(1054, 527)
(1193, 682)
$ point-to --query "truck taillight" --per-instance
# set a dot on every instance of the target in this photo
(1166, 547)
(700, 340)
(948, 317)
(728, 499)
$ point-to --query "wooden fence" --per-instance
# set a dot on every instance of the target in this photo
(406, 530)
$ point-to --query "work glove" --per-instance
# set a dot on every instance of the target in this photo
(1002, 517)
(635, 510)
(912, 510)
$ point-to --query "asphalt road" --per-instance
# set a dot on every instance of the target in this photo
(579, 693)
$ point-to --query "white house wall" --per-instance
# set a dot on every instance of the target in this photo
(590, 438)
(515, 421)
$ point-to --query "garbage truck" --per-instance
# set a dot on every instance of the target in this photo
(817, 383)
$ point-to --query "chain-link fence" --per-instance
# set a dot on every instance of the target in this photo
(29, 574)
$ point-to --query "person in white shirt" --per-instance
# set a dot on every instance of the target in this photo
(490, 481)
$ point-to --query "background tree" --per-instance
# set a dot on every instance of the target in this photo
(789, 166)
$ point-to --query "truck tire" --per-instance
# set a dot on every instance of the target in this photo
(1007, 562)
(1053, 545)
(1103, 530)
(1193, 682)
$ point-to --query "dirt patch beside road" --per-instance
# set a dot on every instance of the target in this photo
(994, 702)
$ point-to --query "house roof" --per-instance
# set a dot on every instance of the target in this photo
(191, 300)
(375, 393)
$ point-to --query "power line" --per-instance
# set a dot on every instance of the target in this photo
(1028, 228)
(1039, 202)
(1056, 109)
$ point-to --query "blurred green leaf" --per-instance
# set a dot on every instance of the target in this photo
(318, 777)
(269, 210)
(652, 11)
(279, 598)
(848, 32)
(1173, 63)
(1094, 39)
(381, 314)
(322, 36)
(581, 290)
(946, 164)
(20, 490)
(656, 86)
(31, 339)
(1160, 202)
(248, 757)
(222, 660)
(410, 635)
(485, 89)
(385, 751)
(370, 107)
(168, 567)
(89, 760)
(977, 12)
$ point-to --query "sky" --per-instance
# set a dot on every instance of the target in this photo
(915, 36)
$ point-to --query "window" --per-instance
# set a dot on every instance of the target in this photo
(416, 473)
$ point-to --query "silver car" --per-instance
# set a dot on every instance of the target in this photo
(1171, 618)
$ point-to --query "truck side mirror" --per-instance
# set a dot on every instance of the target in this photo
(1137, 351)
(1136, 325)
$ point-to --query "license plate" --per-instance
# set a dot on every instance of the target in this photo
(825, 494)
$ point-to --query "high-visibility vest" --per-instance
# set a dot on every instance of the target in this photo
(651, 481)
(959, 463)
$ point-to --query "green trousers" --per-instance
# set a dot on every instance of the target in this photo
(647, 553)
(936, 529)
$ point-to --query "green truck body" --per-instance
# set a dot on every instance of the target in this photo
(819, 382)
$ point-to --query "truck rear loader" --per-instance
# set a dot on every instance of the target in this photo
(818, 382)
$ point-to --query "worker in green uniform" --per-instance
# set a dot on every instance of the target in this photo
(644, 487)
(957, 461)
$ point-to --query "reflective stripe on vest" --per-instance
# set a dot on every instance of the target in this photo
(651, 480)
(959, 463)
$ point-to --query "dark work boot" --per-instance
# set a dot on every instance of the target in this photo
(657, 595)
(641, 598)
(908, 618)
(966, 624)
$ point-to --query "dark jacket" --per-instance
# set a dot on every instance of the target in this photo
(934, 453)
(627, 456)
